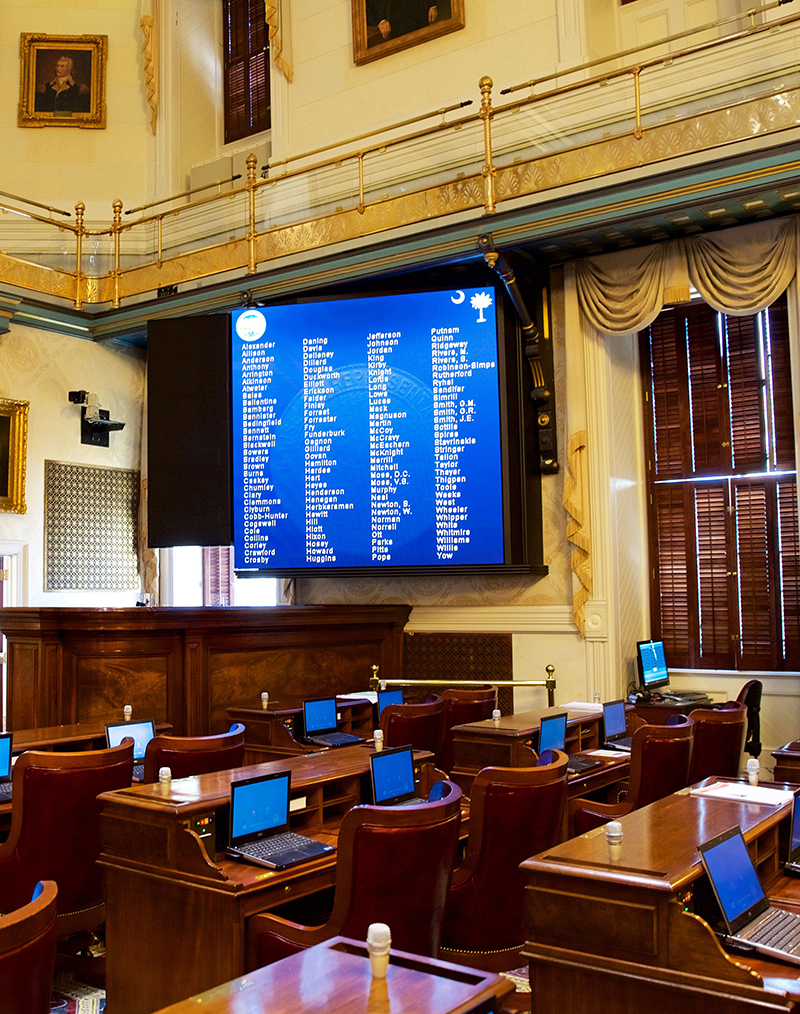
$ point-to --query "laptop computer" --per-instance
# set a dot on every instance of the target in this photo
(5, 767)
(392, 773)
(751, 922)
(259, 824)
(616, 729)
(320, 724)
(553, 736)
(141, 733)
(386, 697)
(792, 864)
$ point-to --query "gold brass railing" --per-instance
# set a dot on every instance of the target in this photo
(263, 230)
(376, 683)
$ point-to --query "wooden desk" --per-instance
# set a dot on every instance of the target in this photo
(81, 736)
(176, 909)
(509, 743)
(276, 732)
(659, 713)
(338, 972)
(787, 763)
(613, 937)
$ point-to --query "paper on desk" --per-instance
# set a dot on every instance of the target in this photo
(606, 753)
(583, 706)
(744, 793)
(367, 695)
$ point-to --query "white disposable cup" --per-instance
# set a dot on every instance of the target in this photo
(377, 738)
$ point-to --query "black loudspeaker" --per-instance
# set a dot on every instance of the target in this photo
(188, 432)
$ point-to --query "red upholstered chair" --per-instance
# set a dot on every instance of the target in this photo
(514, 813)
(472, 704)
(750, 696)
(660, 758)
(55, 831)
(418, 724)
(27, 954)
(718, 741)
(394, 865)
(194, 755)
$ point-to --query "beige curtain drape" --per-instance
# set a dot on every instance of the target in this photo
(738, 271)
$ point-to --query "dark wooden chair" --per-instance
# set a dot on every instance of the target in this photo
(660, 759)
(515, 813)
(194, 755)
(718, 741)
(418, 724)
(55, 831)
(394, 865)
(472, 704)
(750, 696)
(28, 952)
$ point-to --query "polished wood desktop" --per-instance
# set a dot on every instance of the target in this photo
(609, 937)
(787, 762)
(510, 742)
(80, 736)
(336, 975)
(277, 731)
(176, 908)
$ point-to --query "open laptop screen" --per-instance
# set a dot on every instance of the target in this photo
(386, 697)
(553, 732)
(614, 718)
(259, 806)
(140, 732)
(794, 839)
(5, 755)
(320, 716)
(734, 878)
(392, 775)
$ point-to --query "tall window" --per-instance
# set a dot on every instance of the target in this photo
(246, 69)
(724, 546)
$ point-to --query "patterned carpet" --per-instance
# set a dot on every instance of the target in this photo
(71, 997)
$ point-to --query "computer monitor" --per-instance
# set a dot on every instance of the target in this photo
(652, 665)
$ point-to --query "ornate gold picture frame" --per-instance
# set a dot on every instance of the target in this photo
(383, 27)
(62, 80)
(13, 455)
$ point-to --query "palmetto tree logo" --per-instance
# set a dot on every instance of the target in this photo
(479, 302)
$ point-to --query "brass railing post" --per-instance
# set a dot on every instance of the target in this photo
(251, 195)
(116, 231)
(550, 683)
(487, 169)
(80, 207)
(638, 130)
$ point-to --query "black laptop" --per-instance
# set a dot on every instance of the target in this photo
(750, 920)
(5, 767)
(792, 864)
(387, 697)
(319, 718)
(259, 825)
(553, 736)
(392, 774)
(141, 733)
(616, 727)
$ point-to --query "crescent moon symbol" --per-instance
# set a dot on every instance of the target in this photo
(459, 298)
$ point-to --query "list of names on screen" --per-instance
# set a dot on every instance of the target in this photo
(367, 433)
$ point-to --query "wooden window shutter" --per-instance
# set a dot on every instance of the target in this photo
(246, 69)
(217, 576)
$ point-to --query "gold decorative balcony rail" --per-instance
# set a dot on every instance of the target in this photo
(697, 90)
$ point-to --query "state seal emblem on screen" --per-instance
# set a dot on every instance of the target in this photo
(251, 325)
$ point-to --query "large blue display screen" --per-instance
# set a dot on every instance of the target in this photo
(366, 433)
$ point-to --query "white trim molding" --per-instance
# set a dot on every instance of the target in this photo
(491, 619)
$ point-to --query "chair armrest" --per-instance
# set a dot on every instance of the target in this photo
(585, 814)
(270, 938)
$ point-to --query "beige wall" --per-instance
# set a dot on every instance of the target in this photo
(41, 368)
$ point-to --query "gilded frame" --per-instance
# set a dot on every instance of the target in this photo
(368, 43)
(81, 103)
(13, 455)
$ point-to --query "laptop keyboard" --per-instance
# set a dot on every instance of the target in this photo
(269, 847)
(577, 764)
(412, 802)
(780, 930)
(620, 744)
(138, 772)
(5, 790)
(337, 738)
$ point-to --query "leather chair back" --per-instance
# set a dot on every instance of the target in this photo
(418, 724)
(660, 759)
(515, 813)
(28, 953)
(55, 829)
(194, 755)
(473, 704)
(394, 865)
(750, 696)
(718, 741)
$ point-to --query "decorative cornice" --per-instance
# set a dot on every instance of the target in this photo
(492, 619)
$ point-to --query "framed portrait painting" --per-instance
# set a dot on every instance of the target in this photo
(382, 27)
(13, 453)
(62, 81)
